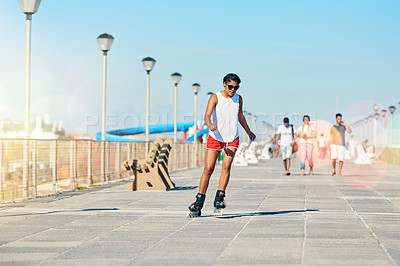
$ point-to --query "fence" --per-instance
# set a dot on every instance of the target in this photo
(63, 165)
(390, 155)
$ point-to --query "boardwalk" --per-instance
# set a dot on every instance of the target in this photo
(270, 219)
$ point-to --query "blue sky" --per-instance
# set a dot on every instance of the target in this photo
(294, 57)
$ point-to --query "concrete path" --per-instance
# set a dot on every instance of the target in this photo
(270, 219)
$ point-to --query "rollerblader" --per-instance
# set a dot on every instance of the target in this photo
(223, 113)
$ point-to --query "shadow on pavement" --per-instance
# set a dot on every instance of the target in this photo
(184, 188)
(231, 216)
(50, 212)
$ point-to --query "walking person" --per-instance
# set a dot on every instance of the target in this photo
(223, 113)
(285, 134)
(306, 134)
(322, 146)
(337, 143)
(352, 147)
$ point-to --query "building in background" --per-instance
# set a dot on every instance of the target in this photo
(41, 129)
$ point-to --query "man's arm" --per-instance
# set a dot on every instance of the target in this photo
(243, 122)
(212, 102)
(347, 128)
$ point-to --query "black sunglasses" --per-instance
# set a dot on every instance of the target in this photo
(231, 87)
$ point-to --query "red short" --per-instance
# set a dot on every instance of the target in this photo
(216, 145)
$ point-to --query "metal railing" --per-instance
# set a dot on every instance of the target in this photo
(64, 165)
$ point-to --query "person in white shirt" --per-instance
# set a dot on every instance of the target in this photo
(223, 115)
(306, 134)
(323, 146)
(285, 134)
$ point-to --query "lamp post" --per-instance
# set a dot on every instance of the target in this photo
(362, 129)
(248, 118)
(196, 88)
(376, 115)
(28, 7)
(105, 42)
(176, 78)
(244, 135)
(148, 64)
(383, 113)
(365, 128)
(391, 110)
(264, 130)
(370, 128)
(255, 123)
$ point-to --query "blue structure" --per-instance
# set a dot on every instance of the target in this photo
(118, 134)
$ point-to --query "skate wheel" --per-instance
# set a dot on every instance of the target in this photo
(218, 212)
(193, 214)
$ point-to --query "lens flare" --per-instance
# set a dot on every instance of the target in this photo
(321, 153)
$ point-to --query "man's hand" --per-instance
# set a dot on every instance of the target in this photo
(252, 136)
(212, 127)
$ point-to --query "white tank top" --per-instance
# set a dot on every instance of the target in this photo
(225, 117)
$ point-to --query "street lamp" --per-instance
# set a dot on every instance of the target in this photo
(255, 123)
(249, 118)
(383, 112)
(28, 7)
(365, 128)
(376, 115)
(370, 128)
(391, 110)
(244, 135)
(360, 126)
(148, 64)
(176, 78)
(264, 130)
(105, 42)
(376, 108)
(196, 88)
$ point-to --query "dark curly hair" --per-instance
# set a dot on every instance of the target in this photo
(231, 77)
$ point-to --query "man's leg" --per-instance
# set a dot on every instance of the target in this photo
(288, 165)
(342, 151)
(340, 167)
(334, 167)
(285, 166)
(228, 156)
(284, 158)
(211, 158)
